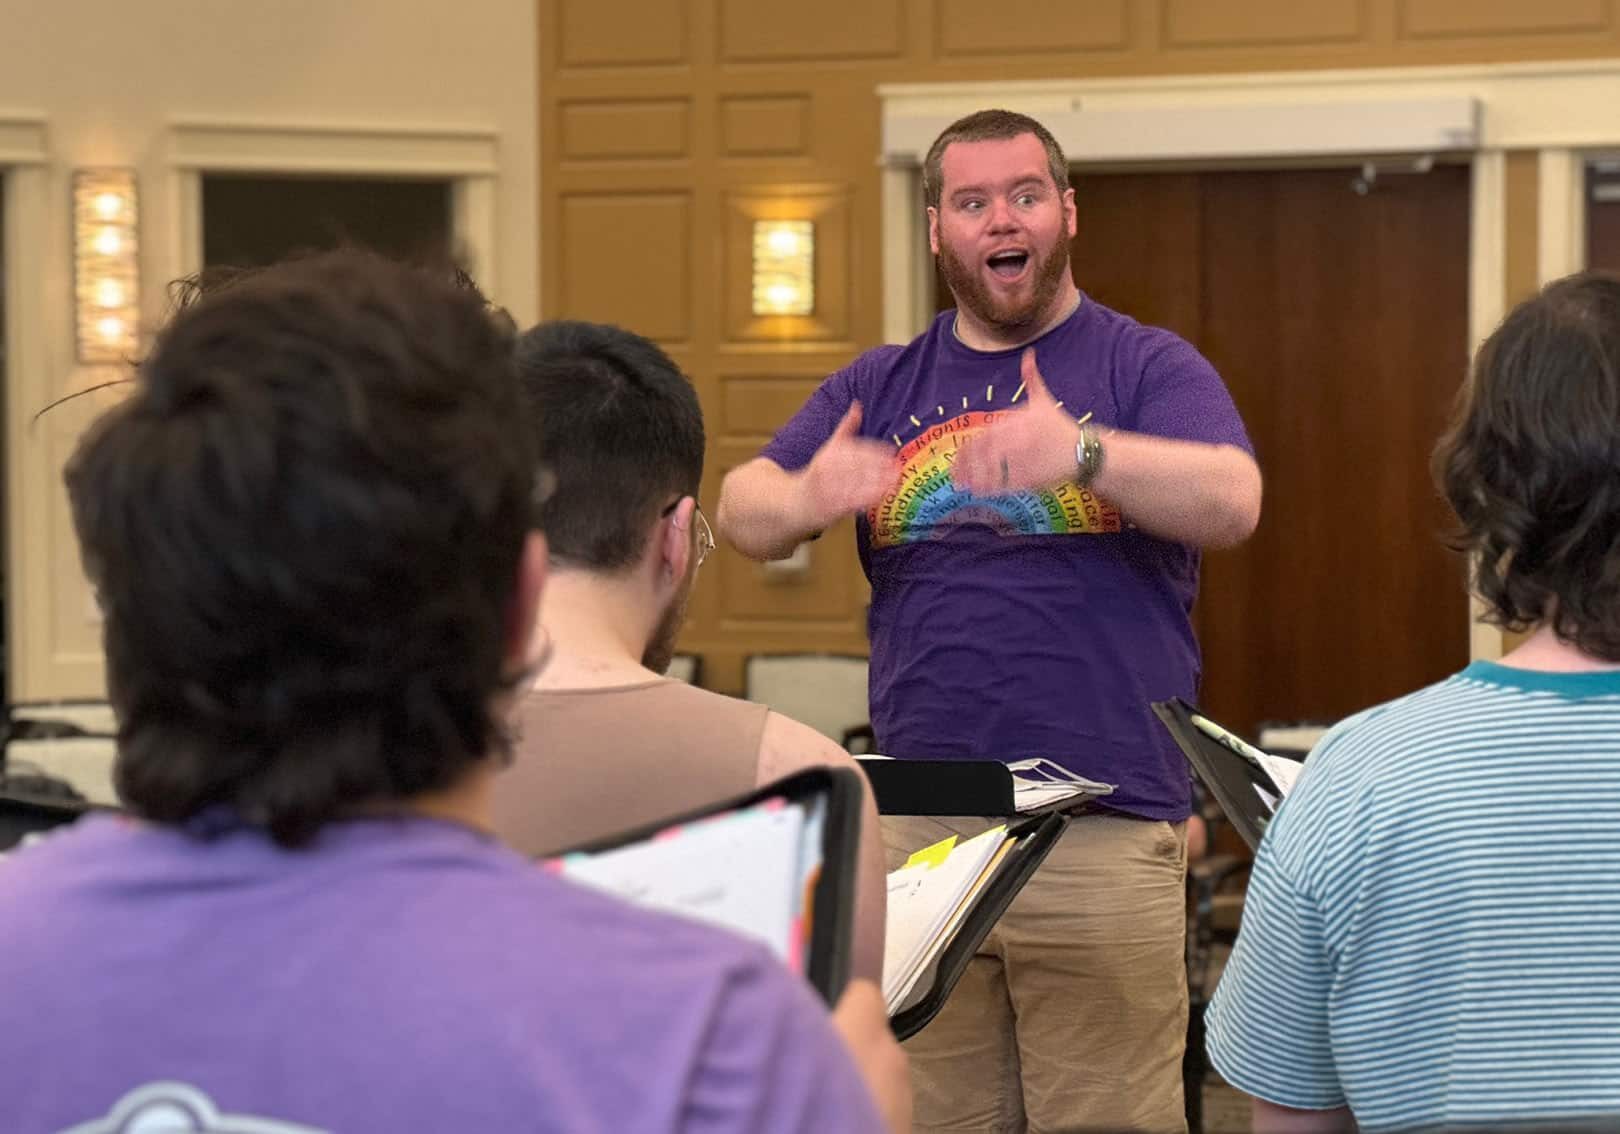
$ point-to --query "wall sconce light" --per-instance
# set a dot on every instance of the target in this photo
(105, 270)
(784, 267)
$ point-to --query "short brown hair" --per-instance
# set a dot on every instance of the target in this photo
(1531, 465)
(990, 126)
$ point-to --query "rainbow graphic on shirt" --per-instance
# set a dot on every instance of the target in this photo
(927, 504)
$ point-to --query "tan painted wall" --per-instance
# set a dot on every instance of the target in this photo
(105, 81)
(666, 124)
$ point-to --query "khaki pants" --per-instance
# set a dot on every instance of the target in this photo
(1073, 1014)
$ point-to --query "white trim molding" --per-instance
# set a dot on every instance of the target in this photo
(1563, 111)
(29, 388)
(466, 157)
(22, 139)
(1560, 213)
(384, 151)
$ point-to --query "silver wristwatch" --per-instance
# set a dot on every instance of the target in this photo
(1088, 456)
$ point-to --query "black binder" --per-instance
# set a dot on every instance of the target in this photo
(1231, 778)
(940, 787)
(832, 903)
(1035, 837)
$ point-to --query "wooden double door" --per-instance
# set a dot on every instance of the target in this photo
(1337, 314)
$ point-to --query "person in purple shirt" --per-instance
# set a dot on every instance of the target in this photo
(1032, 479)
(310, 527)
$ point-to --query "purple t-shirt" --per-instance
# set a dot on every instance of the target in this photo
(1027, 624)
(401, 976)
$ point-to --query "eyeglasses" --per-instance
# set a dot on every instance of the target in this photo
(705, 534)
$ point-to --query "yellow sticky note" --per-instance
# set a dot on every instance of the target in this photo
(934, 855)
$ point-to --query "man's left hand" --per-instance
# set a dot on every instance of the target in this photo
(1029, 449)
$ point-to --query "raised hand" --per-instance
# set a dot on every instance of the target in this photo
(848, 474)
(1028, 449)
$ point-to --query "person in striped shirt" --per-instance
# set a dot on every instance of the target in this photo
(1431, 937)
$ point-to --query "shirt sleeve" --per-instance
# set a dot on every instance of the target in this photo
(1267, 1025)
(1182, 397)
(774, 1064)
(797, 441)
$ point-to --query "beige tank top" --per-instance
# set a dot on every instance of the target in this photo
(593, 762)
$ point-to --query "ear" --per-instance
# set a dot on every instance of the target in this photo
(523, 615)
(933, 230)
(1071, 215)
(674, 540)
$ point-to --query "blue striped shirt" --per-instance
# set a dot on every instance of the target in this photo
(1432, 931)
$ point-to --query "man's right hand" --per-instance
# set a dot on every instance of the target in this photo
(849, 473)
(863, 1022)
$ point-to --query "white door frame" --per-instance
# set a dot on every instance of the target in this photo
(23, 167)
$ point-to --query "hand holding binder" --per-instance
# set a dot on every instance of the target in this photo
(1248, 784)
(777, 865)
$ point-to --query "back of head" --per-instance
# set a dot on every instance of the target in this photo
(1531, 465)
(304, 528)
(622, 434)
(990, 126)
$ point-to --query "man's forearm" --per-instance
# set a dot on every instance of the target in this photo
(762, 511)
(1187, 491)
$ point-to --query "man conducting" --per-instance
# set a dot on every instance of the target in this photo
(1033, 478)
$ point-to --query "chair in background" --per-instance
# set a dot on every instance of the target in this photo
(687, 668)
(73, 743)
(825, 691)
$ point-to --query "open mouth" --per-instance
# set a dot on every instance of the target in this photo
(1008, 265)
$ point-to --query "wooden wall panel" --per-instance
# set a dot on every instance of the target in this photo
(1459, 19)
(1228, 23)
(625, 129)
(617, 33)
(1023, 27)
(1521, 267)
(756, 407)
(626, 260)
(764, 125)
(791, 30)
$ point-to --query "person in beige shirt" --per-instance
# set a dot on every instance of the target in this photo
(603, 740)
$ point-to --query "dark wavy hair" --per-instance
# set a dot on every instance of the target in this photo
(622, 434)
(1531, 465)
(304, 528)
(990, 126)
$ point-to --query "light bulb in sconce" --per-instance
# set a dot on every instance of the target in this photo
(109, 293)
(108, 205)
(784, 267)
(783, 241)
(108, 242)
(110, 328)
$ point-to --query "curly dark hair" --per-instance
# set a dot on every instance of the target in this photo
(1531, 465)
(304, 527)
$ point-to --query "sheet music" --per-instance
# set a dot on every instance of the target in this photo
(923, 900)
(1039, 783)
(742, 871)
(1283, 771)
